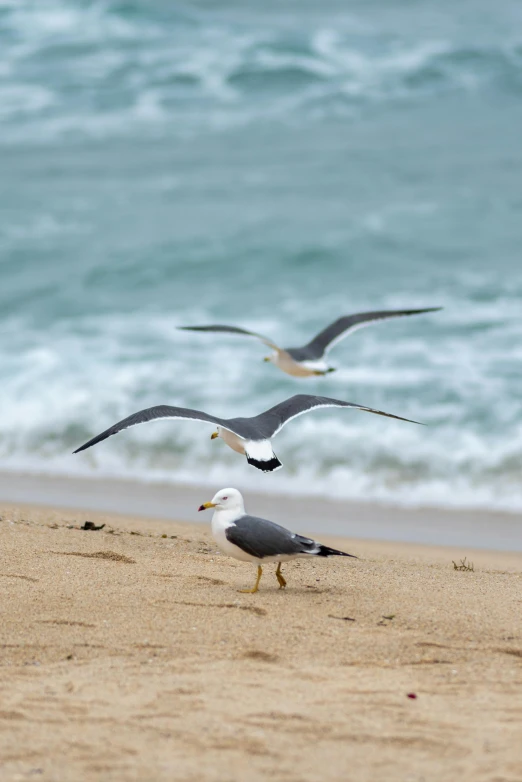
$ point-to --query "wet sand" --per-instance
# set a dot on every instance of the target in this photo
(451, 526)
(128, 654)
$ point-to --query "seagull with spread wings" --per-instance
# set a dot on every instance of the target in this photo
(249, 436)
(310, 359)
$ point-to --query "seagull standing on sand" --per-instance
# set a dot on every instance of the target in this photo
(252, 539)
(251, 436)
(310, 359)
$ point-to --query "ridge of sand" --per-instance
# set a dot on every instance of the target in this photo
(128, 654)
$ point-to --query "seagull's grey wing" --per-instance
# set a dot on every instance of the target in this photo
(337, 330)
(153, 414)
(271, 422)
(262, 538)
(232, 330)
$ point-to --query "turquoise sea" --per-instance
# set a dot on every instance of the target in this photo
(271, 165)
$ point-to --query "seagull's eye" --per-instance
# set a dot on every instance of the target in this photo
(224, 498)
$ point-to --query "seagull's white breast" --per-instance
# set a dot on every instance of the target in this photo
(232, 440)
(298, 368)
(221, 521)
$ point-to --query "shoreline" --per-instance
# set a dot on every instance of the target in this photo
(476, 529)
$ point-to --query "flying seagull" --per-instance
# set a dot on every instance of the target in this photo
(311, 358)
(250, 436)
(252, 539)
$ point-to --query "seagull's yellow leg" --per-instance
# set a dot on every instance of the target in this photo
(280, 577)
(256, 585)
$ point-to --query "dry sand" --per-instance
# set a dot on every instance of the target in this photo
(128, 654)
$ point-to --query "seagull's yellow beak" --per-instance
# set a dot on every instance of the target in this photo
(267, 358)
(214, 435)
(207, 505)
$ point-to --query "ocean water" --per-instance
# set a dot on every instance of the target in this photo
(272, 165)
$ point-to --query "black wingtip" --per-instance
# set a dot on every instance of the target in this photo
(194, 328)
(94, 441)
(409, 420)
(390, 415)
(422, 311)
(326, 551)
(82, 448)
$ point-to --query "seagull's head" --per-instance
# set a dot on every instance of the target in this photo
(225, 499)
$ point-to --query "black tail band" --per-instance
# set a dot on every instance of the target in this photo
(268, 466)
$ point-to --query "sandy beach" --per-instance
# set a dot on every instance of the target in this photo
(128, 654)
(204, 205)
